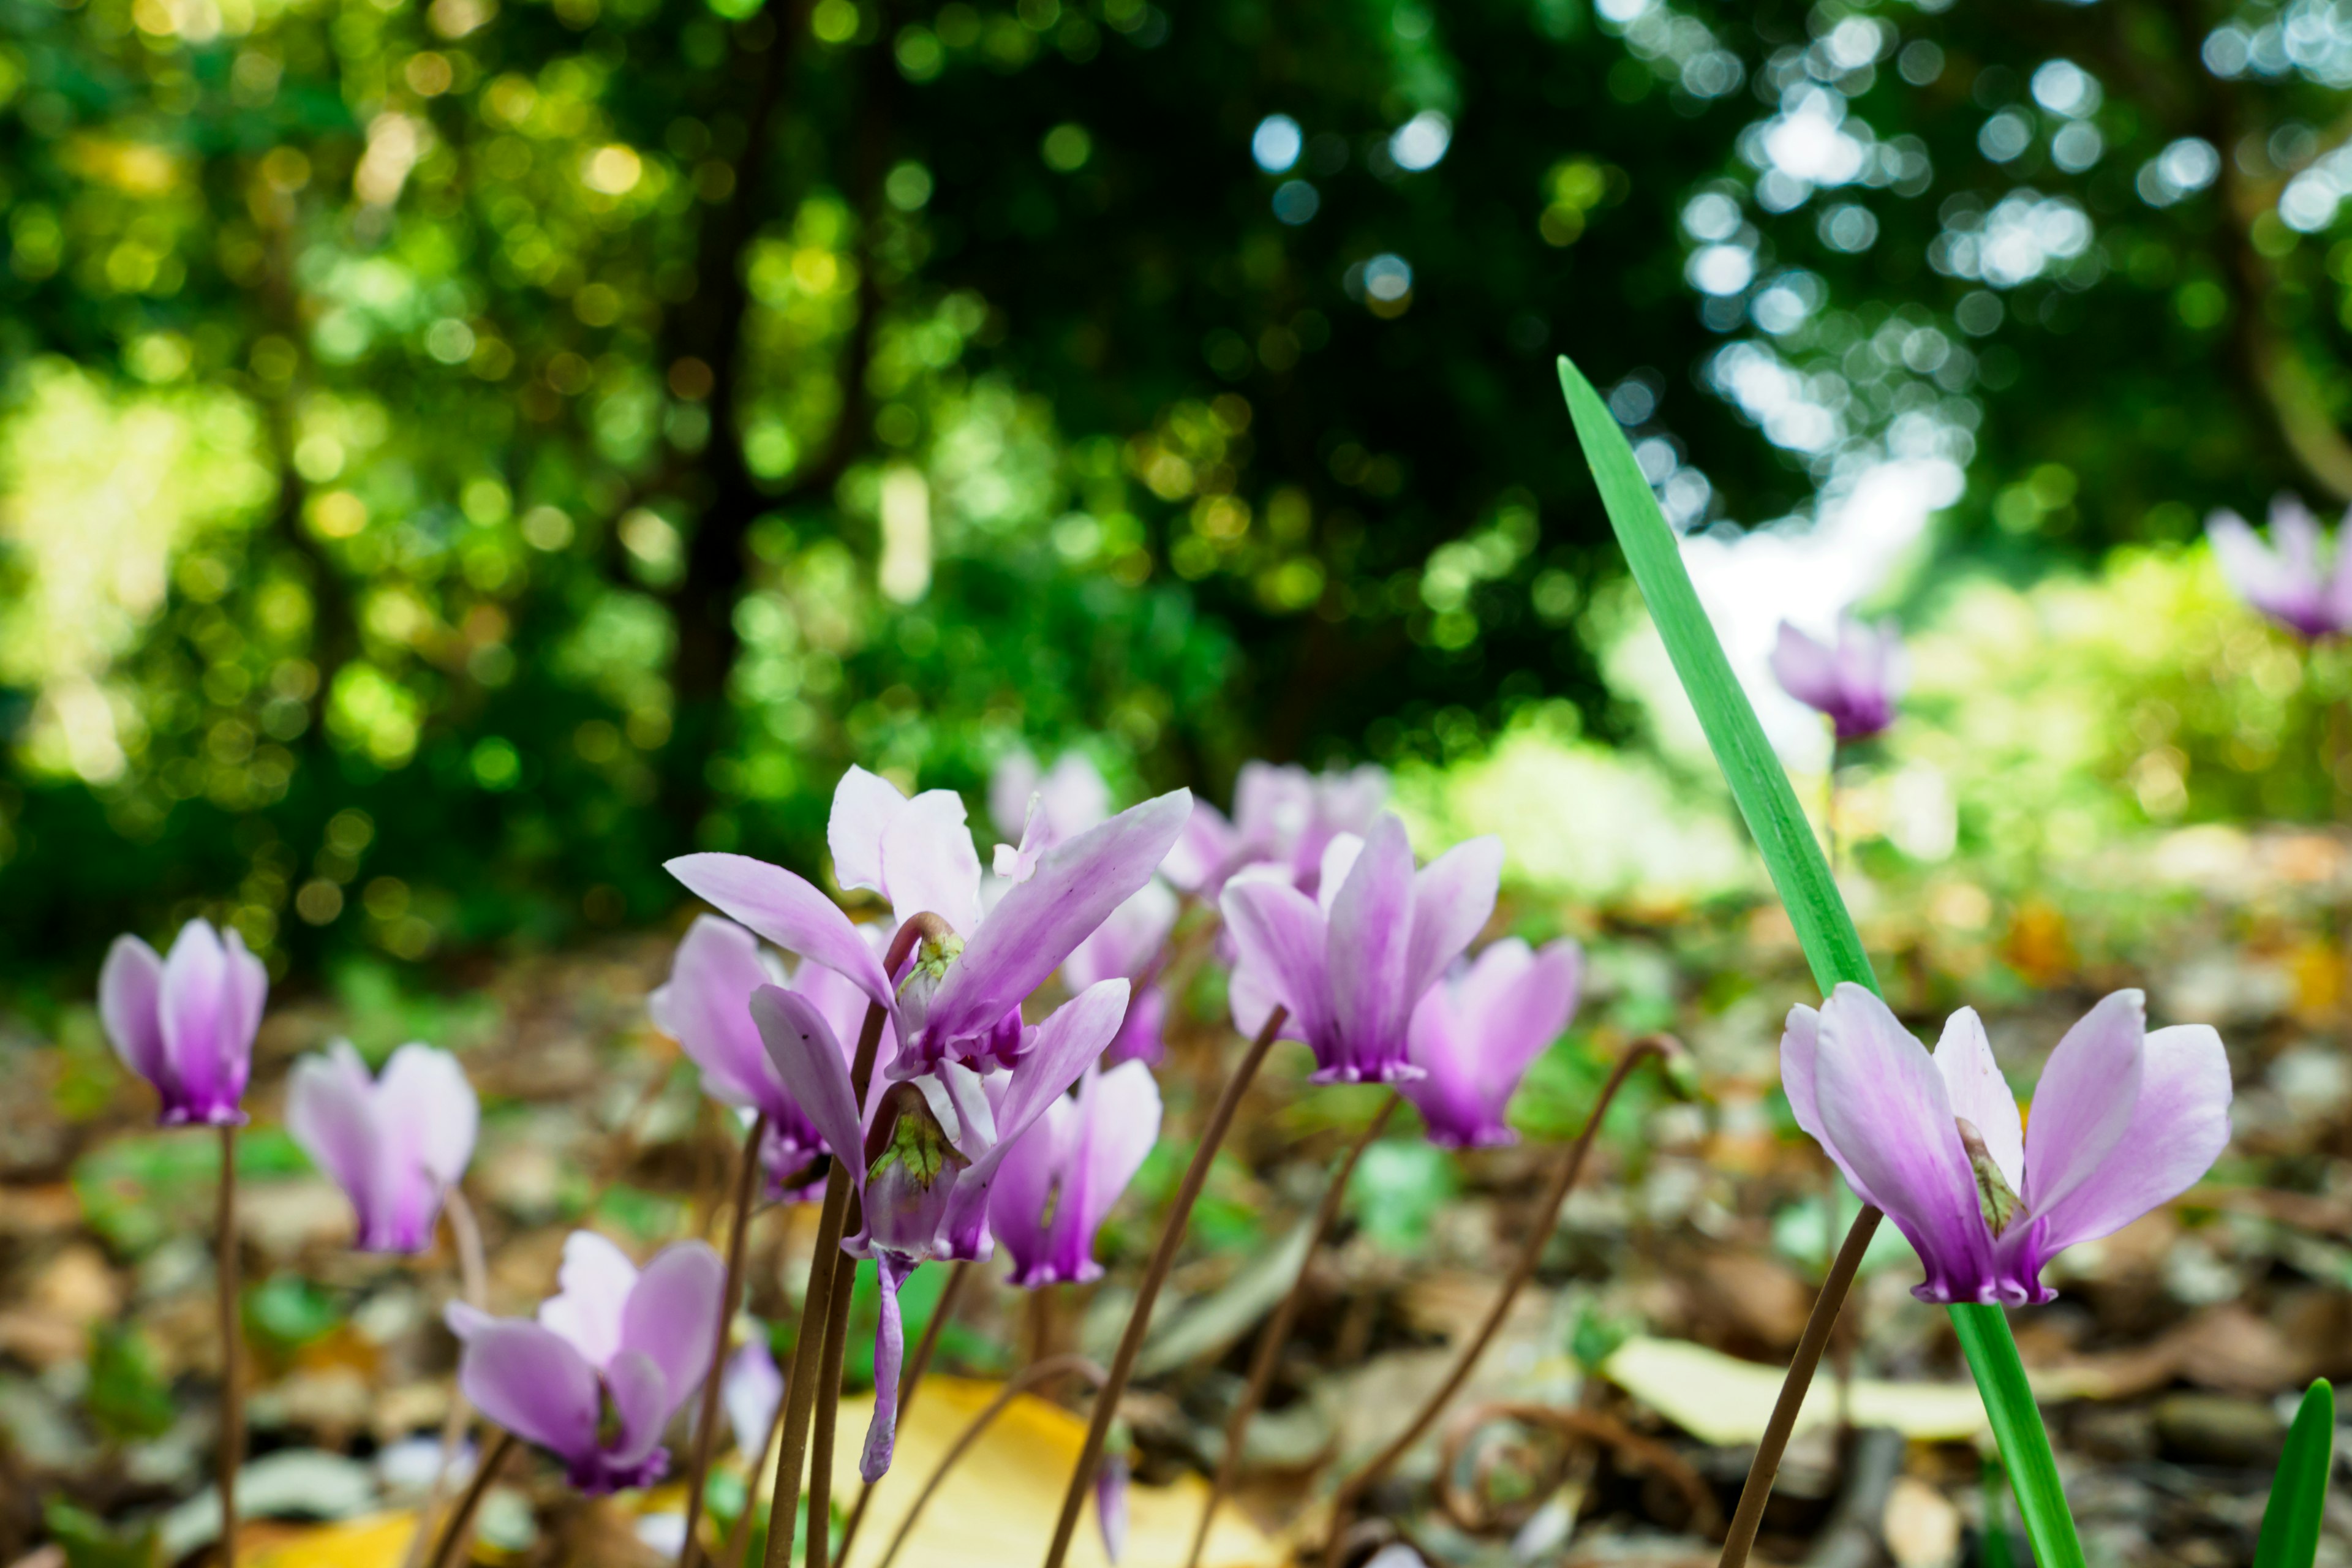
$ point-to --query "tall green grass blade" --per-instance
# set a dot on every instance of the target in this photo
(1757, 782)
(1831, 945)
(2290, 1536)
(1985, 1340)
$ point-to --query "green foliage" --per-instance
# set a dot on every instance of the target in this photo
(287, 1312)
(1398, 1187)
(127, 1396)
(2290, 1536)
(89, 1543)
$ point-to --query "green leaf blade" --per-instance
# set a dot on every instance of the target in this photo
(1759, 784)
(2290, 1536)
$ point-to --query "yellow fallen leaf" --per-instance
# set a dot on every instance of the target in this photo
(997, 1506)
(1722, 1400)
(374, 1541)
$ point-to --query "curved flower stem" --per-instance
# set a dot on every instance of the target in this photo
(462, 1515)
(738, 1539)
(1278, 1330)
(473, 1275)
(828, 1409)
(706, 1427)
(1343, 1502)
(800, 1392)
(1027, 1378)
(916, 1366)
(1164, 1257)
(232, 1428)
(1757, 1488)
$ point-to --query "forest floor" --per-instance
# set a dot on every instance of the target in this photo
(1670, 1294)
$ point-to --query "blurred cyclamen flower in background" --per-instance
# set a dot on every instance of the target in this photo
(932, 1147)
(1351, 964)
(186, 1023)
(2123, 1120)
(395, 1144)
(2283, 579)
(595, 1379)
(1478, 1030)
(959, 1000)
(1038, 811)
(706, 1007)
(1059, 1183)
(1857, 683)
(1282, 814)
(1127, 946)
(1110, 1503)
(751, 1386)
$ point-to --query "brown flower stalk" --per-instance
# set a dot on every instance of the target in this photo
(705, 1426)
(462, 1515)
(232, 1432)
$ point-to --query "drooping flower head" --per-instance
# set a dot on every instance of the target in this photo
(395, 1144)
(186, 1023)
(1127, 946)
(1857, 683)
(1057, 1186)
(596, 1378)
(934, 1145)
(706, 1007)
(2123, 1120)
(1477, 1031)
(2283, 580)
(750, 1386)
(1350, 964)
(1283, 815)
(959, 998)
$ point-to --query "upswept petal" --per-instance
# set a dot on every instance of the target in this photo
(2246, 563)
(1979, 1095)
(2296, 534)
(1331, 871)
(1800, 1051)
(787, 910)
(2178, 1125)
(673, 1315)
(2084, 1100)
(1806, 669)
(1888, 1122)
(592, 1288)
(704, 1007)
(1452, 897)
(863, 807)
(130, 1001)
(1123, 946)
(245, 993)
(1282, 942)
(533, 1382)
(1034, 927)
(1010, 786)
(813, 1067)
(1199, 860)
(928, 862)
(1531, 1002)
(327, 1112)
(1023, 1184)
(423, 1093)
(1368, 949)
(1120, 1113)
(193, 1009)
(644, 1399)
(1066, 1044)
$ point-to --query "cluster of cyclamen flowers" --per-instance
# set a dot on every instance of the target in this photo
(982, 1129)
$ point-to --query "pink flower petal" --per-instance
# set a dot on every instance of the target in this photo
(672, 1314)
(928, 862)
(2178, 1125)
(863, 807)
(534, 1384)
(787, 910)
(2084, 1100)
(1981, 1095)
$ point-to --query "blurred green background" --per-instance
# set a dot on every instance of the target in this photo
(453, 456)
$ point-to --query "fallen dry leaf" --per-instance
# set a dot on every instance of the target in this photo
(1722, 1400)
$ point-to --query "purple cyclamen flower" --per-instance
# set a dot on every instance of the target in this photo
(1111, 1504)
(1855, 683)
(596, 1378)
(1350, 965)
(1283, 816)
(2123, 1120)
(958, 999)
(706, 1007)
(2283, 580)
(750, 1386)
(186, 1023)
(1041, 810)
(1057, 1186)
(933, 1145)
(1478, 1030)
(395, 1144)
(1127, 946)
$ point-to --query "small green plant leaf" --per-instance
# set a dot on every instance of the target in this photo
(2290, 1536)
(127, 1396)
